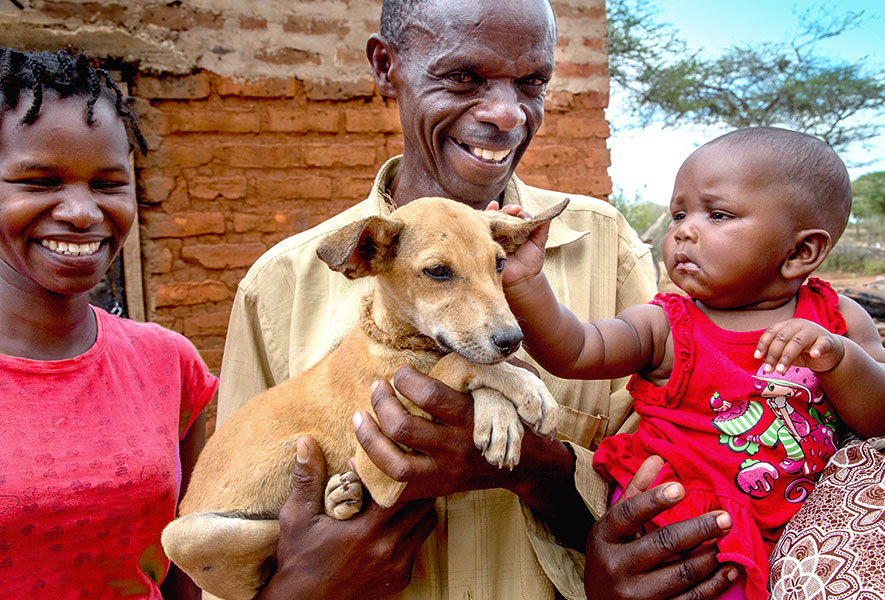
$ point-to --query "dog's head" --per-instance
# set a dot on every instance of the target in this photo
(437, 265)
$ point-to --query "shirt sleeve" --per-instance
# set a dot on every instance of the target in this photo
(198, 385)
(245, 363)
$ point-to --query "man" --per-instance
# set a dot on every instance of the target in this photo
(469, 78)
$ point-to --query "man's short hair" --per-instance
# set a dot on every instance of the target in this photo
(396, 17)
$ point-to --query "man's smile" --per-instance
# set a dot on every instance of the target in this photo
(485, 154)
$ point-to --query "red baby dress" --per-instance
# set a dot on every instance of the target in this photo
(738, 439)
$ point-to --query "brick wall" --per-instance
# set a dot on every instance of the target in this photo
(264, 121)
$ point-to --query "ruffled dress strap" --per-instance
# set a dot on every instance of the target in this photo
(827, 303)
(676, 308)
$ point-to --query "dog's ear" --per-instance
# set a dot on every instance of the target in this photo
(512, 232)
(362, 248)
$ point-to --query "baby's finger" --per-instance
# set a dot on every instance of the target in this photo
(493, 205)
(772, 342)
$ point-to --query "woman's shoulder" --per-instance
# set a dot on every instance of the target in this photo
(121, 333)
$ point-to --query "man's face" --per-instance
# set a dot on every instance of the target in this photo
(470, 87)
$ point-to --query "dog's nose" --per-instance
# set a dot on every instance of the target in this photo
(507, 341)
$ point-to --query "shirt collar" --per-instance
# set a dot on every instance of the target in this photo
(515, 192)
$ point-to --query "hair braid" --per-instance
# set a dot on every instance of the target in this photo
(67, 74)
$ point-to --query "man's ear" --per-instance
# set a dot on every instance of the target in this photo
(381, 58)
(513, 232)
(811, 248)
(362, 248)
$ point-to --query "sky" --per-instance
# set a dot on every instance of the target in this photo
(645, 161)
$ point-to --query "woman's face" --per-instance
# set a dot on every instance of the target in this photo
(67, 198)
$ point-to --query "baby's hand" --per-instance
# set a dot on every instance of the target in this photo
(801, 343)
(527, 260)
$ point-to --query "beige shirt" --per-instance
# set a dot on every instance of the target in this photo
(291, 309)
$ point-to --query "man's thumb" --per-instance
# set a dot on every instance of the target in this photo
(308, 476)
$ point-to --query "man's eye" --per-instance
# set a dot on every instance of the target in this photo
(536, 81)
(438, 272)
(462, 77)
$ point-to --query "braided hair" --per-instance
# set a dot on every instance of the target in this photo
(68, 74)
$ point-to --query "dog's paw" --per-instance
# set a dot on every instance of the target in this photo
(532, 399)
(497, 430)
(344, 495)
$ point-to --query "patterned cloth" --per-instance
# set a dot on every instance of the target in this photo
(89, 466)
(834, 547)
(291, 309)
(737, 438)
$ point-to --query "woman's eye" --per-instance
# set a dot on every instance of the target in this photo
(109, 185)
(439, 272)
(499, 265)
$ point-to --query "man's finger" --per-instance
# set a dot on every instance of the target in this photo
(382, 451)
(308, 482)
(433, 396)
(644, 477)
(655, 547)
(625, 519)
(713, 587)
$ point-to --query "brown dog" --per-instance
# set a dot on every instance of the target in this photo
(437, 304)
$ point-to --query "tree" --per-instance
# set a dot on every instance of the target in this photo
(868, 206)
(787, 83)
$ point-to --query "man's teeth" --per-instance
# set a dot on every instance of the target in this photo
(71, 249)
(492, 155)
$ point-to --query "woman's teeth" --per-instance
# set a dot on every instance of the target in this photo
(490, 155)
(70, 248)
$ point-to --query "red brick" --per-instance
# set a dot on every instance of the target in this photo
(158, 260)
(154, 188)
(256, 88)
(204, 324)
(90, 12)
(252, 23)
(263, 156)
(349, 155)
(304, 120)
(355, 187)
(174, 152)
(222, 256)
(161, 225)
(309, 186)
(278, 221)
(210, 188)
(174, 18)
(581, 70)
(350, 56)
(288, 56)
(546, 156)
(580, 127)
(169, 87)
(372, 121)
(314, 26)
(190, 293)
(339, 90)
(216, 120)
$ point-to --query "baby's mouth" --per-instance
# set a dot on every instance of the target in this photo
(486, 154)
(70, 248)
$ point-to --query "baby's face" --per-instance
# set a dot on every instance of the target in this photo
(731, 229)
(67, 198)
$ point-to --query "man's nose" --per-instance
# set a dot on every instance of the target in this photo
(78, 207)
(500, 106)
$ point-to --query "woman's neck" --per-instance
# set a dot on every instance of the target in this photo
(44, 326)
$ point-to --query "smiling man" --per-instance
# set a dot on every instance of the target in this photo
(469, 78)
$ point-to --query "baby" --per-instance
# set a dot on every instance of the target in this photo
(739, 382)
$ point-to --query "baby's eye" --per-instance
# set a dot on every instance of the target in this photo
(718, 215)
(677, 216)
(499, 264)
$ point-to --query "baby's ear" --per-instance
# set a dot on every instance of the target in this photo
(811, 248)
(512, 232)
(362, 248)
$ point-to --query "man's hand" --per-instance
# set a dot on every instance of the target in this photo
(801, 343)
(676, 561)
(368, 556)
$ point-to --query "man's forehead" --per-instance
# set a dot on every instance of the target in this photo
(438, 16)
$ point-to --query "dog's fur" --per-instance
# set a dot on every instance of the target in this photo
(437, 304)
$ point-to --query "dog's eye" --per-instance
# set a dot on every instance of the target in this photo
(499, 265)
(440, 272)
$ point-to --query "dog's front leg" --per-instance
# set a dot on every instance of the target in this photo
(497, 430)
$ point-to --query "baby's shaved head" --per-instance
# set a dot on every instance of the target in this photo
(812, 173)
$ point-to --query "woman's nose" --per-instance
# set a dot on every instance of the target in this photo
(78, 207)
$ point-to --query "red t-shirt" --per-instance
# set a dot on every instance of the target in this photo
(738, 439)
(89, 465)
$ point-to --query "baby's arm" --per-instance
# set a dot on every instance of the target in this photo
(850, 368)
(563, 345)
